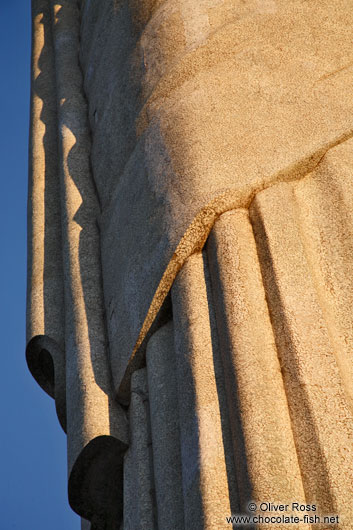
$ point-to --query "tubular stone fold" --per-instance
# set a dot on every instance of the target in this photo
(190, 257)
(45, 351)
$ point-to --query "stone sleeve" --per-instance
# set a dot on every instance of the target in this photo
(191, 254)
(45, 351)
(207, 104)
(65, 300)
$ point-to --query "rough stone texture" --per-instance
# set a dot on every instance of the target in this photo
(207, 105)
(155, 124)
(318, 389)
(163, 399)
(266, 460)
(92, 415)
(45, 292)
(140, 500)
(205, 485)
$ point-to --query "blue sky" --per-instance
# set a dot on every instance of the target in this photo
(33, 484)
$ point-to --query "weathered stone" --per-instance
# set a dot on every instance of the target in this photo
(266, 459)
(205, 485)
(200, 124)
(141, 455)
(316, 384)
(45, 350)
(155, 124)
(163, 400)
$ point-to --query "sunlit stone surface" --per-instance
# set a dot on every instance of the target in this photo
(190, 277)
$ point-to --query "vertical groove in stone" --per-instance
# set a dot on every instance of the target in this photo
(92, 413)
(312, 379)
(252, 371)
(304, 242)
(204, 475)
(227, 438)
(326, 225)
(163, 400)
(45, 297)
(140, 455)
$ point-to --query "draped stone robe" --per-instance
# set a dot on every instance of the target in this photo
(190, 279)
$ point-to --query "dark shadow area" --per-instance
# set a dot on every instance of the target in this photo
(90, 493)
(45, 362)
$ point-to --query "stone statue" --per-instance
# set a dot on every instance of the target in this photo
(190, 279)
